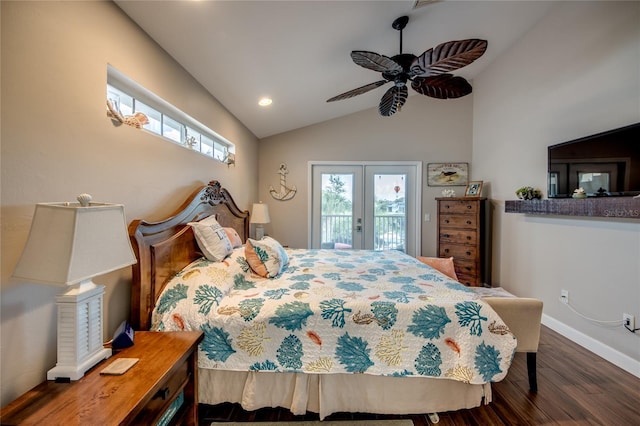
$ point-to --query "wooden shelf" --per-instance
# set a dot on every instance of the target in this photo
(614, 207)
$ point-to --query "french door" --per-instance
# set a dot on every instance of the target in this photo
(365, 205)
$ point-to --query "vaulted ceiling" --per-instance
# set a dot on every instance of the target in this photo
(298, 52)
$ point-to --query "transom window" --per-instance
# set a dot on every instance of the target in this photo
(165, 120)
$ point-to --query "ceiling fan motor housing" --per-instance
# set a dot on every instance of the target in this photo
(404, 60)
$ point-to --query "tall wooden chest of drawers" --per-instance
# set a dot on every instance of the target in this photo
(464, 232)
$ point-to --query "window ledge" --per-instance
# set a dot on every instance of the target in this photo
(617, 208)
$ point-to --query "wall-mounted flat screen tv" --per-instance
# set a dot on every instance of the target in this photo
(605, 164)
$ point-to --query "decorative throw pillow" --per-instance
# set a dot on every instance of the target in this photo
(442, 264)
(212, 239)
(266, 257)
(234, 237)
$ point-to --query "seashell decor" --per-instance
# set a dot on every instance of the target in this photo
(84, 199)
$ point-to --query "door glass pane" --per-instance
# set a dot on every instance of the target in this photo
(336, 211)
(553, 184)
(593, 183)
(390, 220)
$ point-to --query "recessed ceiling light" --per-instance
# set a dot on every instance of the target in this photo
(265, 102)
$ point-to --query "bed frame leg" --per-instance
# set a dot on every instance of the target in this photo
(433, 417)
(531, 371)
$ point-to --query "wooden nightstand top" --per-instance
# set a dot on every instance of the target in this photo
(99, 399)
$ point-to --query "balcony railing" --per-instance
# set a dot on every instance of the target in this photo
(389, 231)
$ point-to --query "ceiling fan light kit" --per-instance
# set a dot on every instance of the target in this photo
(429, 73)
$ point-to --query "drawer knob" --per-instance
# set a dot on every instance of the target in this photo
(468, 237)
(467, 268)
(446, 221)
(162, 394)
(446, 206)
(446, 235)
(446, 250)
(469, 206)
(468, 253)
(468, 222)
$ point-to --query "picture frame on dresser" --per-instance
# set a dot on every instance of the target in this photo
(473, 189)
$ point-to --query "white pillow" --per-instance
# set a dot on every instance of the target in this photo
(212, 239)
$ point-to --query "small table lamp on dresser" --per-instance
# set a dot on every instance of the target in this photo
(68, 245)
(260, 216)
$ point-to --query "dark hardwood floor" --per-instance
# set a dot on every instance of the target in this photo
(575, 387)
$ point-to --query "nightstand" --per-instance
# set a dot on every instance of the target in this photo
(166, 372)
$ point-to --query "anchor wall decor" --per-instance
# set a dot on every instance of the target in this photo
(285, 193)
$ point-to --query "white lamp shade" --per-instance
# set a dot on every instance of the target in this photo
(260, 213)
(69, 243)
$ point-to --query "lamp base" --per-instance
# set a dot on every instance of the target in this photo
(79, 331)
(75, 372)
(259, 232)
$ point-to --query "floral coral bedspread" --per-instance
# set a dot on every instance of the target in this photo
(332, 311)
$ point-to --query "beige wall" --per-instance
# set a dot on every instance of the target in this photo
(576, 73)
(426, 130)
(58, 143)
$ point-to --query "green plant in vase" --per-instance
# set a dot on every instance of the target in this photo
(528, 193)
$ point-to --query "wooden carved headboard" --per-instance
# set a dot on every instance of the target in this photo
(165, 247)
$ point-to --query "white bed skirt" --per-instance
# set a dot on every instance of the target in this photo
(331, 393)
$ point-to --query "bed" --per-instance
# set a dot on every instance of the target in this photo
(333, 331)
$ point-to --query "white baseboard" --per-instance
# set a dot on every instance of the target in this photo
(613, 356)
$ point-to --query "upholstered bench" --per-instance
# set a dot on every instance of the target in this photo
(522, 316)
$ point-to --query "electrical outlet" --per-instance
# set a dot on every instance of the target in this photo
(564, 296)
(629, 321)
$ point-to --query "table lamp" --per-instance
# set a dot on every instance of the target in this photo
(68, 245)
(260, 216)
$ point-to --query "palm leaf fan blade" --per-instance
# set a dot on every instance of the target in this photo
(447, 57)
(358, 91)
(392, 100)
(375, 62)
(443, 86)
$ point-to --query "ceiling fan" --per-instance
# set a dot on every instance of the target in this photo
(429, 73)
